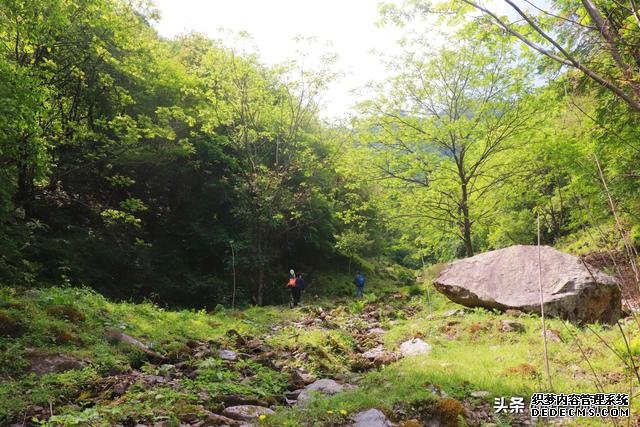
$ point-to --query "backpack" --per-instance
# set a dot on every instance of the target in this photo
(292, 283)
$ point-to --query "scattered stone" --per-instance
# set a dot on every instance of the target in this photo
(511, 326)
(414, 347)
(228, 355)
(246, 412)
(238, 400)
(324, 386)
(508, 278)
(454, 312)
(377, 356)
(613, 377)
(219, 420)
(553, 335)
(256, 345)
(513, 312)
(479, 414)
(300, 379)
(115, 336)
(371, 418)
(192, 343)
(290, 402)
(153, 379)
(374, 353)
(120, 388)
(49, 363)
(377, 331)
(480, 394)
(293, 395)
(436, 390)
(303, 398)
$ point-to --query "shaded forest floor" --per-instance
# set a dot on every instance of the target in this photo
(71, 357)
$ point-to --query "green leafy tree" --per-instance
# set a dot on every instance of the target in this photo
(440, 130)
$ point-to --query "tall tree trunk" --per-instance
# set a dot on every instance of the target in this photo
(466, 221)
(260, 293)
(233, 270)
(24, 192)
(260, 284)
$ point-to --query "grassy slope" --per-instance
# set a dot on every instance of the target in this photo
(469, 354)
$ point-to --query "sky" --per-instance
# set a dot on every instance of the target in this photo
(349, 24)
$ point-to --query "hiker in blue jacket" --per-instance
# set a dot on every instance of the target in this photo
(359, 282)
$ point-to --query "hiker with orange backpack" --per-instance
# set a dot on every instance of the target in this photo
(291, 285)
(295, 286)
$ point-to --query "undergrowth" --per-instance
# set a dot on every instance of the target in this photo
(469, 354)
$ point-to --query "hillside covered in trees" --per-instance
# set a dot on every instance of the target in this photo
(188, 174)
(144, 166)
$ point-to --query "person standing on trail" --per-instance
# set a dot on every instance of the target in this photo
(291, 286)
(359, 282)
(297, 290)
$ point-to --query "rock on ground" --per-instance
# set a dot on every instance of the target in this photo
(374, 353)
(370, 418)
(219, 420)
(324, 386)
(508, 279)
(115, 336)
(453, 313)
(300, 379)
(228, 355)
(48, 363)
(414, 347)
(246, 412)
(511, 326)
(552, 335)
(379, 356)
(480, 393)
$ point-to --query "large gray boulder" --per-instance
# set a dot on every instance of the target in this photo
(508, 279)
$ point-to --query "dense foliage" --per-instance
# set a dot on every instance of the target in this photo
(146, 167)
(188, 171)
(505, 120)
